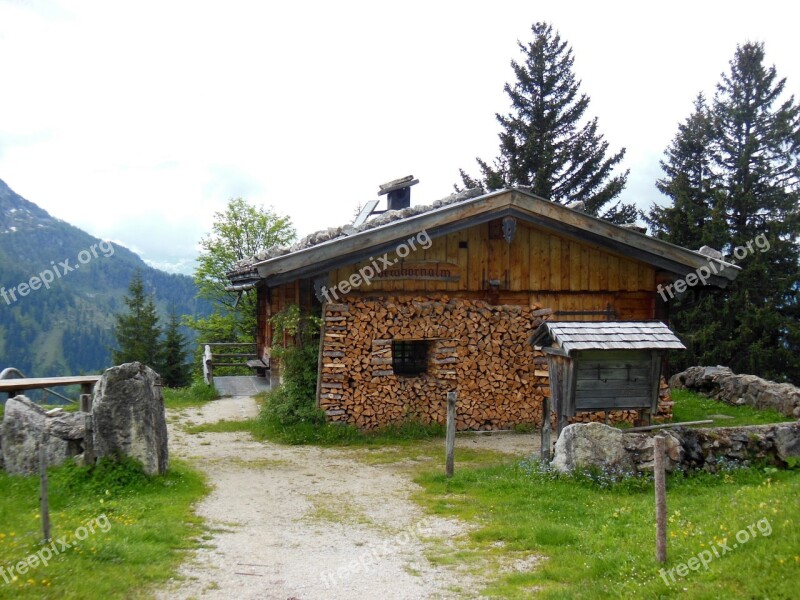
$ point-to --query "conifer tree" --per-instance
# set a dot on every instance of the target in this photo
(137, 331)
(693, 219)
(175, 371)
(546, 142)
(733, 174)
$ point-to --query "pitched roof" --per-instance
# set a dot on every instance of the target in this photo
(602, 335)
(322, 251)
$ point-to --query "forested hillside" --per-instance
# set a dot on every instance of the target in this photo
(60, 288)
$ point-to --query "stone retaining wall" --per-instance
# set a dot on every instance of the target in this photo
(594, 445)
(723, 384)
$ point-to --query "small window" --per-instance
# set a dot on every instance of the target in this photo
(409, 357)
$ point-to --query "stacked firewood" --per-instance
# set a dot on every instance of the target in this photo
(474, 348)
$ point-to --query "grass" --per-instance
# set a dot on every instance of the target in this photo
(327, 434)
(194, 395)
(695, 407)
(143, 528)
(592, 538)
(535, 532)
(266, 427)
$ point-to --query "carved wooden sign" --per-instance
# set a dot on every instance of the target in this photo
(420, 270)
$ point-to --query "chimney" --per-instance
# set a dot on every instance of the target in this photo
(399, 192)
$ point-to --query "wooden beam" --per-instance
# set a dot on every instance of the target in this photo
(36, 383)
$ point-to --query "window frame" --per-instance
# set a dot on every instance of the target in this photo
(410, 358)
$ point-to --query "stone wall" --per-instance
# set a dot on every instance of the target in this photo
(477, 349)
(595, 445)
(723, 384)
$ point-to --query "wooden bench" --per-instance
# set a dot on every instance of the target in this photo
(261, 367)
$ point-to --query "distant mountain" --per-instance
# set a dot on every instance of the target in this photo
(60, 288)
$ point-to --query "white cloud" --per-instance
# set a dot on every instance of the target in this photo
(138, 120)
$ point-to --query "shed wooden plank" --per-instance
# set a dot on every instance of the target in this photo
(609, 403)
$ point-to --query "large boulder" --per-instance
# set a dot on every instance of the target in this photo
(595, 445)
(129, 416)
(21, 434)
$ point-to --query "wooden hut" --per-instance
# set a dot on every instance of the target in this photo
(419, 301)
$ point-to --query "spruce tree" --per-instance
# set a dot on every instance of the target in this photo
(747, 147)
(175, 372)
(137, 331)
(693, 219)
(546, 142)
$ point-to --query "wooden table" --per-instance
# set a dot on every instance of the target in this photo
(14, 386)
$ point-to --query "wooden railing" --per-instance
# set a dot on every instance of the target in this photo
(214, 355)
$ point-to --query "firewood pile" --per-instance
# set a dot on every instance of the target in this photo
(474, 348)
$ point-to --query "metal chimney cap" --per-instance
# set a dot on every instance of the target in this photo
(397, 184)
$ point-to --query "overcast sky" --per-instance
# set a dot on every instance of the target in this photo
(136, 121)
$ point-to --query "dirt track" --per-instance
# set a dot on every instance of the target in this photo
(307, 523)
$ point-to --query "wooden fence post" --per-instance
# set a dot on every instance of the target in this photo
(44, 504)
(546, 410)
(661, 499)
(86, 403)
(208, 365)
(450, 442)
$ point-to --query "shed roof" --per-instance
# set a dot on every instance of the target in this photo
(606, 335)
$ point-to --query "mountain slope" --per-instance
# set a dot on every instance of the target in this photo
(61, 288)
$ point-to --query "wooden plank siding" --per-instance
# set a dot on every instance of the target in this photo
(537, 267)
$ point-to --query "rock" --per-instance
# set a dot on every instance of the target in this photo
(584, 445)
(21, 434)
(595, 445)
(68, 426)
(129, 416)
(724, 385)
(710, 447)
(787, 441)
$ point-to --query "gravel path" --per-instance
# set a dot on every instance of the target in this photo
(307, 523)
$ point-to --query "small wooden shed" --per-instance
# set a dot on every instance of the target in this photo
(603, 366)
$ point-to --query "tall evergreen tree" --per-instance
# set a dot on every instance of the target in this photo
(175, 371)
(733, 174)
(137, 331)
(693, 219)
(546, 142)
